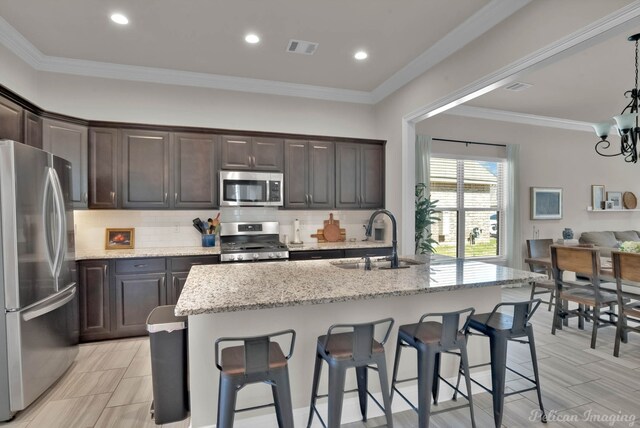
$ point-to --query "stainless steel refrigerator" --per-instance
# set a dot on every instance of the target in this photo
(38, 295)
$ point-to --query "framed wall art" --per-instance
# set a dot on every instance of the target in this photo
(616, 198)
(119, 239)
(597, 196)
(546, 203)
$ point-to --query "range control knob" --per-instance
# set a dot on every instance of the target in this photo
(240, 257)
(256, 256)
(272, 256)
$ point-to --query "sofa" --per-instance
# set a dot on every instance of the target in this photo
(607, 241)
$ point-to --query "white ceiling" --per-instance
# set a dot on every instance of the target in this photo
(207, 36)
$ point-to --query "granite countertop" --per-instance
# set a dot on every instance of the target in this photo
(239, 286)
(146, 252)
(312, 245)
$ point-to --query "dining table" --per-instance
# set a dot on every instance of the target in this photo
(608, 282)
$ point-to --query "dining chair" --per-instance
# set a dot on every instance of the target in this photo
(585, 262)
(539, 249)
(626, 267)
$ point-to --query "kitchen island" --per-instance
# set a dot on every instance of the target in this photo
(309, 296)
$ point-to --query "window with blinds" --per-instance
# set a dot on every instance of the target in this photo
(470, 195)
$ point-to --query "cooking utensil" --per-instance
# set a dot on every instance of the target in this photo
(197, 223)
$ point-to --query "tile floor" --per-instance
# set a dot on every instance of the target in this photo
(109, 385)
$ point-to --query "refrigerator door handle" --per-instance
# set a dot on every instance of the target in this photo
(46, 215)
(50, 304)
(62, 224)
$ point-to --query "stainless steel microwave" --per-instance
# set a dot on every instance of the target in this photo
(251, 189)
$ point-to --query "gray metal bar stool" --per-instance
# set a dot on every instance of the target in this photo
(430, 339)
(258, 359)
(501, 328)
(357, 349)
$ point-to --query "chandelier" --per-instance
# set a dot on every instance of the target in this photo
(626, 124)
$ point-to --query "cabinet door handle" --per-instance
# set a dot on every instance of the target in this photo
(196, 263)
(253, 161)
(166, 195)
(316, 257)
(310, 199)
(140, 266)
(175, 198)
(105, 268)
(85, 197)
(249, 156)
(113, 197)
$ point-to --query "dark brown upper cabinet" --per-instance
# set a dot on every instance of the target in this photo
(145, 169)
(10, 121)
(359, 176)
(194, 165)
(32, 129)
(252, 153)
(70, 142)
(309, 174)
(104, 160)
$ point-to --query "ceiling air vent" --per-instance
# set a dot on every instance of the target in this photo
(302, 47)
(517, 86)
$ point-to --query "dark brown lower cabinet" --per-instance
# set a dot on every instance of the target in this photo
(136, 296)
(339, 254)
(95, 300)
(176, 284)
(116, 296)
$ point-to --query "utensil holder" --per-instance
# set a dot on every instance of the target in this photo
(208, 240)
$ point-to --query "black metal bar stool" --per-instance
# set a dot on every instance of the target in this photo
(356, 348)
(430, 339)
(502, 328)
(258, 359)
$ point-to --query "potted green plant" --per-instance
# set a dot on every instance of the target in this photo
(425, 217)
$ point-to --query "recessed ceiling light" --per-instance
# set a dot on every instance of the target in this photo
(119, 18)
(360, 55)
(251, 38)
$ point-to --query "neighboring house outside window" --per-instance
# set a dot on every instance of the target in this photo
(471, 205)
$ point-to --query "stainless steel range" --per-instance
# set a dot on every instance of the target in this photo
(251, 241)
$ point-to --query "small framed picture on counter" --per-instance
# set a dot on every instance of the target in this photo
(119, 239)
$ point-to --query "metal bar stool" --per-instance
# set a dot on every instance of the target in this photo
(356, 348)
(430, 339)
(257, 360)
(502, 328)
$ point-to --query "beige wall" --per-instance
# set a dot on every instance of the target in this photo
(17, 75)
(551, 157)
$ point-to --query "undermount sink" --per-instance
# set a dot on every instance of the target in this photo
(375, 264)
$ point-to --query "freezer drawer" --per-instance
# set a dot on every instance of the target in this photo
(42, 344)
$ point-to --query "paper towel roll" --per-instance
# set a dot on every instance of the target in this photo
(296, 231)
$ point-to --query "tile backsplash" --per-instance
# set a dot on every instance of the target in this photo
(174, 228)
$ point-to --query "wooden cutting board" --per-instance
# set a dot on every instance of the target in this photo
(331, 231)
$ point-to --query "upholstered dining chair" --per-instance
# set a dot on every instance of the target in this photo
(540, 249)
(626, 267)
(585, 262)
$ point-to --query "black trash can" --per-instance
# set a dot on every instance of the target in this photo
(168, 340)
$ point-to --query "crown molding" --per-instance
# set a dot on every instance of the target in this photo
(201, 80)
(520, 118)
(483, 20)
(479, 23)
